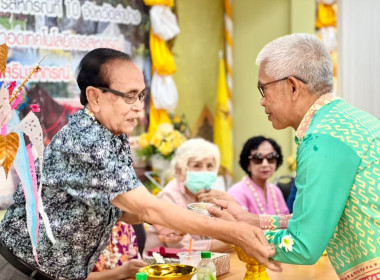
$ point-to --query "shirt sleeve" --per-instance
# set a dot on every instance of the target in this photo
(94, 174)
(326, 168)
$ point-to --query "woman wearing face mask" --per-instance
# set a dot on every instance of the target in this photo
(196, 163)
(260, 158)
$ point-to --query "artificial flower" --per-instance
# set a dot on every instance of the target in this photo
(165, 148)
(163, 142)
(35, 107)
(287, 243)
(143, 141)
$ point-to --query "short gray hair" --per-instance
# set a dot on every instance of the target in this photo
(197, 149)
(300, 55)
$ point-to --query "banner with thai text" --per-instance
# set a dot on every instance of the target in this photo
(62, 32)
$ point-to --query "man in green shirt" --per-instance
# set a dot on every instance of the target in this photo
(337, 206)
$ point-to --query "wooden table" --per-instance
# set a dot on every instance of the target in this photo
(322, 270)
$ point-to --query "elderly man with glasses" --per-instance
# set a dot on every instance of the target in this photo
(337, 206)
(89, 183)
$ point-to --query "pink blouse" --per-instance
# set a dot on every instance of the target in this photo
(245, 196)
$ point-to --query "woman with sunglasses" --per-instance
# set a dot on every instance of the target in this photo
(260, 158)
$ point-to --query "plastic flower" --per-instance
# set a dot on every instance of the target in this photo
(35, 107)
(156, 140)
(287, 243)
(143, 141)
(164, 142)
(165, 128)
(165, 148)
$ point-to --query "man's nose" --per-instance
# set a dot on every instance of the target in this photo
(138, 105)
(262, 101)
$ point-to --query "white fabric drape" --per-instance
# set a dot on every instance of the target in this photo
(359, 54)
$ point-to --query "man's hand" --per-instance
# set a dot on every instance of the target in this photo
(206, 195)
(167, 235)
(253, 242)
(129, 269)
(232, 207)
(221, 214)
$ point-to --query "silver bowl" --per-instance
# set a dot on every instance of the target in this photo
(201, 207)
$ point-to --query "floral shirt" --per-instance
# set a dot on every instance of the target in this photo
(122, 247)
(85, 167)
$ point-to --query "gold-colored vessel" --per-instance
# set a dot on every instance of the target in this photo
(255, 270)
(169, 271)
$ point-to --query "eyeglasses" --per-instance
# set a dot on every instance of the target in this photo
(130, 98)
(261, 87)
(259, 158)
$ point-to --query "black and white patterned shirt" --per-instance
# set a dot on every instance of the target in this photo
(85, 167)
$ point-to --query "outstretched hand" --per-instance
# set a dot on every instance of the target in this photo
(206, 195)
(231, 210)
(167, 235)
(255, 245)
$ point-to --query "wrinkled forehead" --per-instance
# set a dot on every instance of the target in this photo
(201, 159)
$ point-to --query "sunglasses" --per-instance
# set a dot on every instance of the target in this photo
(259, 158)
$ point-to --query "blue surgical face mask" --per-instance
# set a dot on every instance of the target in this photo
(196, 181)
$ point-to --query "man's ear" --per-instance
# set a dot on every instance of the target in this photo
(93, 97)
(295, 86)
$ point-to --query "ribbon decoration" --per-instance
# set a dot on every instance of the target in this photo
(164, 93)
(13, 150)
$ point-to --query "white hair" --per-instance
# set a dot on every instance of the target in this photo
(197, 149)
(300, 55)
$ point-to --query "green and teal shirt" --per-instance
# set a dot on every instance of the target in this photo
(337, 207)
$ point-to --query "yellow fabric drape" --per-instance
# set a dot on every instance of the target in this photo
(222, 121)
(156, 117)
(168, 3)
(326, 16)
(162, 63)
(162, 59)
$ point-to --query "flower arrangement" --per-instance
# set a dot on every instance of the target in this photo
(164, 142)
(180, 123)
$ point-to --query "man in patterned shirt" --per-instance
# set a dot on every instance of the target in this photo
(89, 183)
(338, 162)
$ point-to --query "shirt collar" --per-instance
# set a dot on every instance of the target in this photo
(323, 100)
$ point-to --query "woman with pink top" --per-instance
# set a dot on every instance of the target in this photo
(196, 163)
(260, 158)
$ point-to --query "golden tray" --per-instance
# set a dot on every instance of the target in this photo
(169, 271)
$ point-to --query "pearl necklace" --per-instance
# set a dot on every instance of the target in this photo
(258, 201)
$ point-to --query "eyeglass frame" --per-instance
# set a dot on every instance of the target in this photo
(261, 86)
(258, 158)
(140, 96)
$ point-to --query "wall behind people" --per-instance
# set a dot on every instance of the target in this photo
(196, 55)
(256, 22)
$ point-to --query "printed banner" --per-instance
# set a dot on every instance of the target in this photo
(62, 31)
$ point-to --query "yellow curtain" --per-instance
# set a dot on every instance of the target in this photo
(222, 121)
